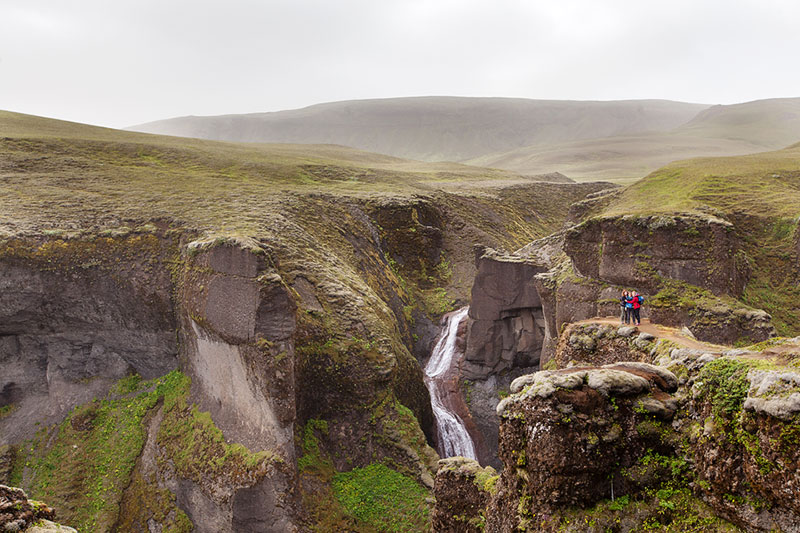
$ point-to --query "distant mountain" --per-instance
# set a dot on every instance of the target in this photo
(438, 128)
(721, 130)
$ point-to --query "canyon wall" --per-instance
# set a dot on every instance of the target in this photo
(666, 435)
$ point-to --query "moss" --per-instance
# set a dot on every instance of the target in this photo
(6, 410)
(313, 461)
(197, 447)
(84, 464)
(145, 501)
(382, 499)
(724, 382)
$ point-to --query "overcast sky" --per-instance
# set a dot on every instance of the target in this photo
(120, 62)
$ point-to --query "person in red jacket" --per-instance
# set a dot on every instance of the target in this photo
(637, 306)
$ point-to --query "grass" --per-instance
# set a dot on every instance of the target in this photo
(83, 465)
(764, 185)
(58, 175)
(382, 499)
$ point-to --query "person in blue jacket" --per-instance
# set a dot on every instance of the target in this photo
(629, 307)
(624, 314)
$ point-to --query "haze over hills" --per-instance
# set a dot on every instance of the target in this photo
(621, 140)
(717, 131)
(437, 128)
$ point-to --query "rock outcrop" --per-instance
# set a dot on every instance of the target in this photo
(18, 514)
(465, 489)
(637, 251)
(675, 434)
(506, 324)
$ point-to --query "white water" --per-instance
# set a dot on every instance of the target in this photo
(453, 437)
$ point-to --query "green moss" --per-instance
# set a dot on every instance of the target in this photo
(382, 499)
(724, 382)
(197, 447)
(436, 302)
(6, 410)
(84, 464)
(145, 501)
(313, 461)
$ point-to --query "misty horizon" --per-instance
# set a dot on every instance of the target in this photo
(129, 63)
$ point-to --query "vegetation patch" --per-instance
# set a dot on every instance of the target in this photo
(382, 498)
(724, 382)
(197, 447)
(82, 466)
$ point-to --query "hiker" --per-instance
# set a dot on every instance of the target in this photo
(629, 307)
(636, 305)
(624, 316)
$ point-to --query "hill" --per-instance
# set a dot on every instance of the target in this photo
(438, 128)
(97, 175)
(717, 131)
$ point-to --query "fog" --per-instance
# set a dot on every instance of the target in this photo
(122, 62)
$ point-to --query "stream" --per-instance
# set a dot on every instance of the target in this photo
(454, 440)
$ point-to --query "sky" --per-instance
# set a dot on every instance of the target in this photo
(118, 63)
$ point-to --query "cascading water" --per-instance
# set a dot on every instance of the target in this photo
(454, 440)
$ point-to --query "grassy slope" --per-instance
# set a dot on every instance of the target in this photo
(760, 194)
(438, 128)
(718, 131)
(61, 174)
(762, 184)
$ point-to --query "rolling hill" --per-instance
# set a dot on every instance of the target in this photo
(55, 171)
(617, 141)
(437, 128)
(717, 131)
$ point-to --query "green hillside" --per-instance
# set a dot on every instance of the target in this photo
(764, 184)
(68, 176)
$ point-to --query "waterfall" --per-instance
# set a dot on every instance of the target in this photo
(453, 436)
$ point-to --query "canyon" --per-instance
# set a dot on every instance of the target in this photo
(218, 346)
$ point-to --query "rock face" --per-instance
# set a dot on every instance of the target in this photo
(506, 323)
(238, 337)
(18, 513)
(465, 489)
(716, 428)
(75, 318)
(635, 251)
(504, 336)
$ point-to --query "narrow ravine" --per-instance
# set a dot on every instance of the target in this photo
(454, 440)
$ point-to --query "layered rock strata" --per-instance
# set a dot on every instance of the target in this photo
(635, 251)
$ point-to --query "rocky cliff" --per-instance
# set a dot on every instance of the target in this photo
(670, 437)
(222, 381)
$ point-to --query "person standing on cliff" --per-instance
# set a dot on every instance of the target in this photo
(636, 304)
(624, 315)
(629, 307)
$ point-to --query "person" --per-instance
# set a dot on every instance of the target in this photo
(636, 305)
(623, 313)
(629, 307)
